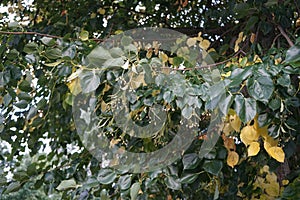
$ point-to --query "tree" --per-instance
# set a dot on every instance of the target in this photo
(51, 56)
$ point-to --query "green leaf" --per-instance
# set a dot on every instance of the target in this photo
(53, 53)
(238, 75)
(241, 9)
(116, 52)
(7, 99)
(90, 183)
(190, 161)
(66, 184)
(13, 54)
(31, 169)
(275, 104)
(217, 89)
(225, 104)
(213, 166)
(48, 41)
(30, 48)
(270, 3)
(21, 176)
(168, 96)
(3, 180)
(21, 104)
(189, 178)
(106, 176)
(84, 35)
(12, 187)
(173, 182)
(250, 109)
(69, 52)
(187, 111)
(25, 86)
(293, 54)
(89, 80)
(24, 96)
(41, 104)
(114, 62)
(260, 88)
(31, 113)
(124, 182)
(284, 80)
(98, 56)
(134, 190)
(251, 22)
(245, 108)
(126, 40)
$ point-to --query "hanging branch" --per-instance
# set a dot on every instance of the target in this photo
(42, 34)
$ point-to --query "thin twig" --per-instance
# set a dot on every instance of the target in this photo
(285, 36)
(277, 36)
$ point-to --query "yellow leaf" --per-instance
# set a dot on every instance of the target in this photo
(277, 153)
(253, 149)
(257, 59)
(199, 38)
(227, 74)
(104, 106)
(93, 15)
(248, 135)
(227, 129)
(271, 141)
(278, 61)
(84, 35)
(235, 122)
(39, 19)
(285, 182)
(211, 50)
(137, 81)
(229, 143)
(204, 44)
(273, 189)
(74, 86)
(101, 11)
(54, 64)
(298, 22)
(263, 131)
(236, 48)
(238, 41)
(252, 38)
(191, 42)
(243, 61)
(265, 169)
(271, 177)
(149, 53)
(117, 32)
(164, 57)
(232, 158)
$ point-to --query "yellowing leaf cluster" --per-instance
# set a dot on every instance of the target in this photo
(233, 123)
(268, 183)
(240, 38)
(250, 135)
(203, 43)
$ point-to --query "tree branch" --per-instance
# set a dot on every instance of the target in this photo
(283, 33)
(42, 34)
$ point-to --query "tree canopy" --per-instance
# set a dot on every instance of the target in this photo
(54, 56)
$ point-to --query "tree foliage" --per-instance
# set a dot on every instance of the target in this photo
(49, 53)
